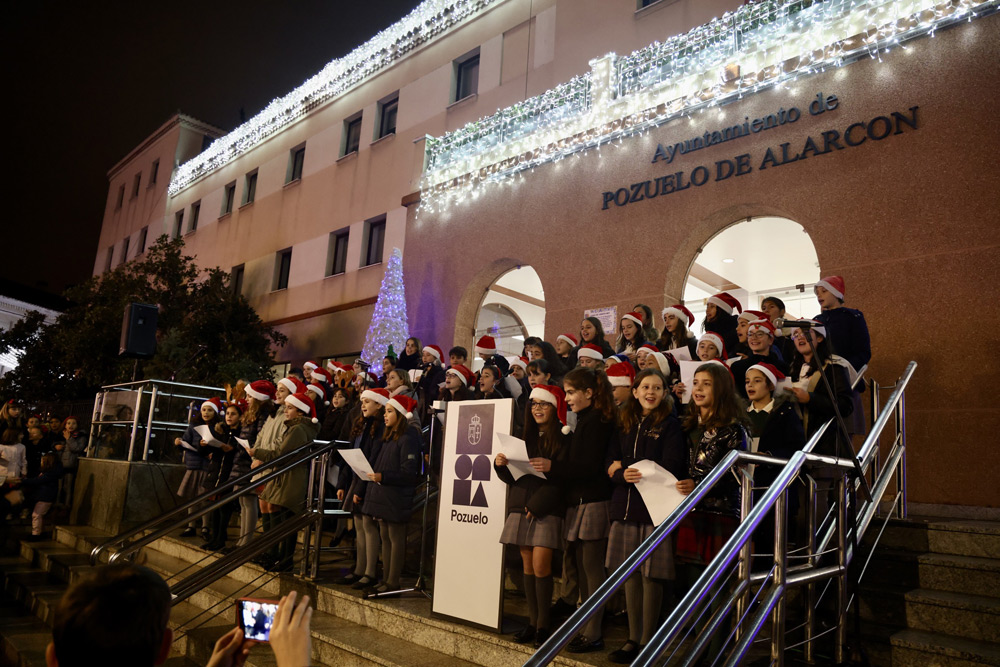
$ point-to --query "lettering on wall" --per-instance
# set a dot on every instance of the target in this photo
(836, 139)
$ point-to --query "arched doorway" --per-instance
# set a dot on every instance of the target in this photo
(752, 259)
(512, 309)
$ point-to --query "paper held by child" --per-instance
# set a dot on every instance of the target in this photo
(658, 489)
(187, 445)
(687, 377)
(205, 431)
(359, 464)
(245, 444)
(516, 452)
(680, 353)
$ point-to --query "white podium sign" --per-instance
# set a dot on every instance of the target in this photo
(468, 566)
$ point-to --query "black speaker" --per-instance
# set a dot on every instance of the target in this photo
(138, 331)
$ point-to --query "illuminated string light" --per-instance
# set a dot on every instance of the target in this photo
(742, 52)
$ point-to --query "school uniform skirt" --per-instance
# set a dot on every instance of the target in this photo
(192, 484)
(588, 521)
(701, 535)
(524, 531)
(625, 538)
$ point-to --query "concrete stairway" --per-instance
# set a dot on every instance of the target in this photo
(931, 594)
(347, 629)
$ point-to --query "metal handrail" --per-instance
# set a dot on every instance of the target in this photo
(278, 467)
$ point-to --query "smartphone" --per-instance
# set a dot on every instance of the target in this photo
(255, 616)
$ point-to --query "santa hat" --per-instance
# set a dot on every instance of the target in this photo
(716, 340)
(262, 390)
(215, 403)
(680, 312)
(293, 385)
(309, 366)
(751, 315)
(518, 361)
(434, 350)
(378, 394)
(818, 327)
(661, 361)
(590, 351)
(620, 357)
(240, 404)
(764, 324)
(404, 405)
(305, 404)
(555, 396)
(834, 285)
(621, 374)
(463, 373)
(769, 371)
(319, 389)
(726, 302)
(569, 338)
(635, 317)
(486, 345)
(322, 375)
(337, 367)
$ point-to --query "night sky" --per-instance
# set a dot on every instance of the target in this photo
(86, 82)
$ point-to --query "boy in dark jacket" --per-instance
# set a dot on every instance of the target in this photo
(44, 488)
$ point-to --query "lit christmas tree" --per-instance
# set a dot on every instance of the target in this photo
(388, 325)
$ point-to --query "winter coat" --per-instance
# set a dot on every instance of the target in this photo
(220, 462)
(780, 434)
(398, 462)
(33, 453)
(12, 460)
(408, 362)
(663, 444)
(847, 331)
(289, 489)
(195, 460)
(242, 461)
(819, 408)
(429, 384)
(271, 433)
(740, 368)
(73, 448)
(541, 497)
(370, 443)
(44, 488)
(583, 472)
(706, 450)
(333, 423)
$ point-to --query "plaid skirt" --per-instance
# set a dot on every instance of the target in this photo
(588, 521)
(701, 536)
(523, 531)
(625, 538)
(192, 484)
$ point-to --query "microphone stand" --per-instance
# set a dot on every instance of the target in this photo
(201, 349)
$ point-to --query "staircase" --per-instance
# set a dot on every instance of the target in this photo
(931, 594)
(347, 630)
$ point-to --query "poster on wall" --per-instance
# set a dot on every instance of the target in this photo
(468, 566)
(608, 317)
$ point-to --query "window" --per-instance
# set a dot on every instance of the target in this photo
(376, 238)
(109, 258)
(337, 262)
(135, 185)
(387, 116)
(228, 197)
(178, 223)
(250, 188)
(352, 136)
(124, 256)
(466, 75)
(282, 267)
(195, 212)
(153, 171)
(237, 279)
(295, 161)
(121, 196)
(141, 244)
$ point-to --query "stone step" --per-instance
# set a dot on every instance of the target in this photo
(943, 572)
(959, 537)
(917, 648)
(973, 617)
(23, 636)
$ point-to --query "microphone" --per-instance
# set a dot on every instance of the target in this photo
(783, 323)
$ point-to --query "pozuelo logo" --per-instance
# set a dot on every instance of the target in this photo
(474, 447)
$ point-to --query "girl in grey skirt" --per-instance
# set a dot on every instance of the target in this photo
(535, 508)
(648, 431)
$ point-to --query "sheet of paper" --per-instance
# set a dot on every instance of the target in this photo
(187, 446)
(680, 354)
(359, 464)
(658, 489)
(687, 377)
(245, 444)
(206, 434)
(514, 388)
(787, 384)
(516, 452)
(416, 374)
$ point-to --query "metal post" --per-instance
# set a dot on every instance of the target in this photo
(877, 459)
(780, 579)
(841, 634)
(135, 423)
(746, 552)
(95, 417)
(308, 507)
(901, 469)
(810, 625)
(324, 463)
(149, 423)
